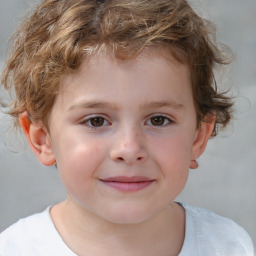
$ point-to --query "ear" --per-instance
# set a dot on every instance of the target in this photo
(203, 134)
(39, 140)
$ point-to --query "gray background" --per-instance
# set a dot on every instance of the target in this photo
(226, 179)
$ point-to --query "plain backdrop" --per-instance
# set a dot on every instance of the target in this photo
(226, 179)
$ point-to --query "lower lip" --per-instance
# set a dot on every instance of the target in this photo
(128, 186)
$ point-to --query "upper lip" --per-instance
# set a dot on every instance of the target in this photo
(126, 179)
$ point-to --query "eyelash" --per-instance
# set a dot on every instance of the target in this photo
(88, 122)
(166, 120)
(103, 122)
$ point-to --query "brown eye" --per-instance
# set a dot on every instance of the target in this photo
(159, 121)
(96, 121)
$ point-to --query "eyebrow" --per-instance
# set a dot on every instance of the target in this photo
(161, 104)
(107, 105)
(93, 104)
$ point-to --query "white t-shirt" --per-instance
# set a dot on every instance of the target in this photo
(207, 234)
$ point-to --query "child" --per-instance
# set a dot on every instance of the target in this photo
(121, 96)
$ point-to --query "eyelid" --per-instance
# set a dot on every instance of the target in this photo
(161, 115)
(167, 117)
(85, 120)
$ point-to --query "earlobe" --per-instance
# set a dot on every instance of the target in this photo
(193, 164)
(38, 139)
(203, 134)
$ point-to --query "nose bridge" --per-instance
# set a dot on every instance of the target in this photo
(130, 134)
(129, 146)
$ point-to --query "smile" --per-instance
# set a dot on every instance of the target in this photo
(128, 184)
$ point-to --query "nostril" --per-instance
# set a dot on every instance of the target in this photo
(120, 159)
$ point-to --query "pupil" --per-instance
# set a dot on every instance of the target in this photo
(158, 120)
(97, 121)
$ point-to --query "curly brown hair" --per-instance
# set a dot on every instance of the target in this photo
(60, 34)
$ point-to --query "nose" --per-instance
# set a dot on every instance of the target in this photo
(128, 147)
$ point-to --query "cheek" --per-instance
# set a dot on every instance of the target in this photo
(78, 160)
(175, 169)
(172, 155)
(175, 148)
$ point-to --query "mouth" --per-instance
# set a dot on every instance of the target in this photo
(128, 184)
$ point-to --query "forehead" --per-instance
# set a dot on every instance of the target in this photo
(148, 79)
(150, 59)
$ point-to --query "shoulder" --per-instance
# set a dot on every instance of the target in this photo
(24, 234)
(34, 235)
(217, 233)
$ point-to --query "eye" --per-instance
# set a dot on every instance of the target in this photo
(96, 122)
(159, 121)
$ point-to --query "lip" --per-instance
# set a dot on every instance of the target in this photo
(127, 184)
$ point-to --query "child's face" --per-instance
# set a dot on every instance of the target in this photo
(120, 119)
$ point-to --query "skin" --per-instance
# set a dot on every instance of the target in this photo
(145, 126)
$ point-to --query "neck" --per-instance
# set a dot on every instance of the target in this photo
(89, 234)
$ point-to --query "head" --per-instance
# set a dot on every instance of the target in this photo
(69, 52)
(123, 135)
(60, 35)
